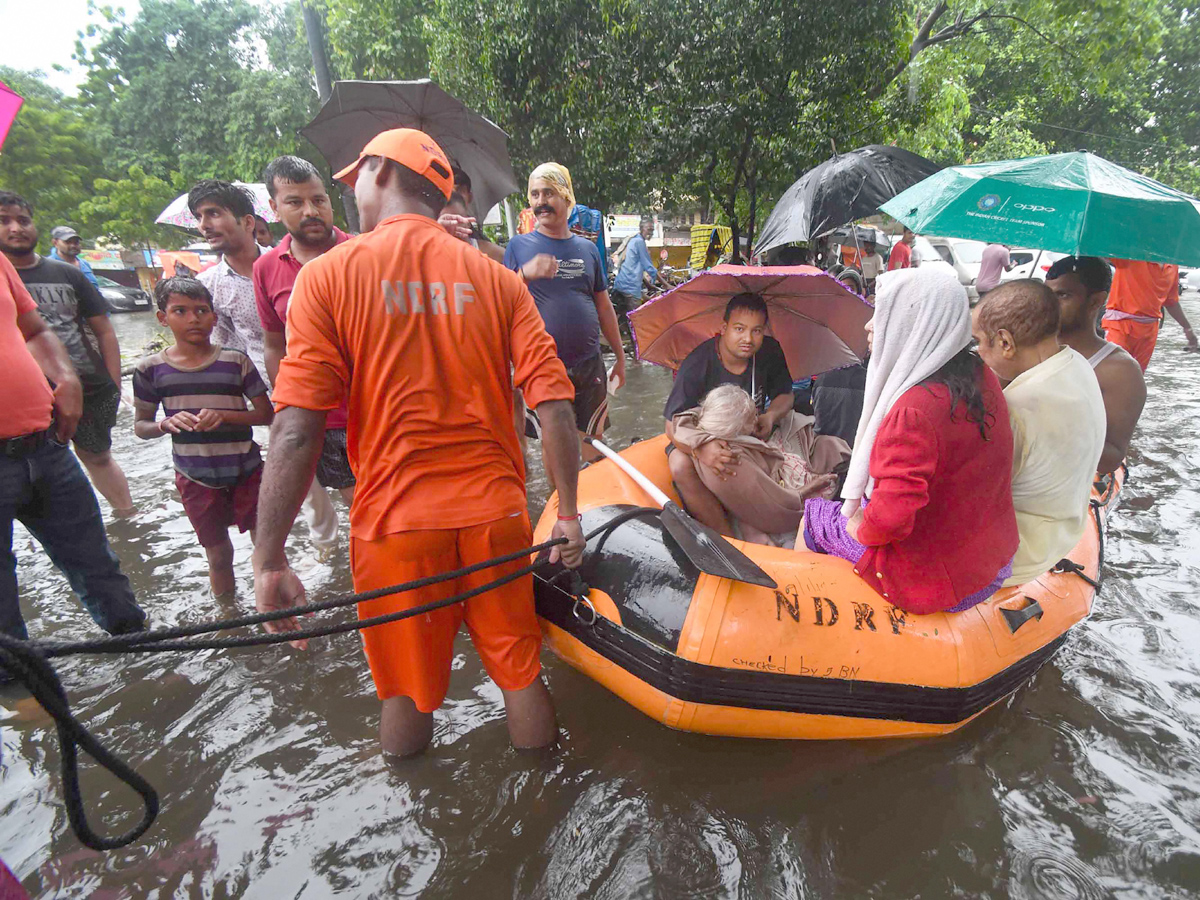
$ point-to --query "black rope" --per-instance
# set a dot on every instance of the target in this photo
(23, 660)
(1070, 567)
(29, 663)
(163, 636)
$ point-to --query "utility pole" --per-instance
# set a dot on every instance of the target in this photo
(316, 47)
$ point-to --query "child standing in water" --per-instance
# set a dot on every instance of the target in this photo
(203, 391)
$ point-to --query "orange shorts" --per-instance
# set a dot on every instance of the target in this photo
(412, 657)
(1138, 338)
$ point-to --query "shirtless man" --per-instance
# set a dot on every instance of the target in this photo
(1081, 285)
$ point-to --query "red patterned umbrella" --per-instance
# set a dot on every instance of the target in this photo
(816, 319)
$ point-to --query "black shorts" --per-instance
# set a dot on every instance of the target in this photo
(590, 380)
(623, 302)
(333, 465)
(100, 402)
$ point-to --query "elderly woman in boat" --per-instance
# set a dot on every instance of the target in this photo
(928, 516)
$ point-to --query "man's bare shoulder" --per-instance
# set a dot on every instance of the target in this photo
(1121, 379)
(1119, 364)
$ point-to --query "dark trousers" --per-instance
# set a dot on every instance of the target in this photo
(49, 494)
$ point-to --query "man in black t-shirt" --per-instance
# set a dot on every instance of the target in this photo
(838, 401)
(78, 316)
(741, 354)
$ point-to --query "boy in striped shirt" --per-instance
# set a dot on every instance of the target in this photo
(203, 391)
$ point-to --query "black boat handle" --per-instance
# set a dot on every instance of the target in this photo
(1018, 617)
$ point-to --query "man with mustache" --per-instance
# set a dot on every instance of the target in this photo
(299, 200)
(565, 274)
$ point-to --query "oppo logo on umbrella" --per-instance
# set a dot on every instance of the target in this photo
(1027, 207)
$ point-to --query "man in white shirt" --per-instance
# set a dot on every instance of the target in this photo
(225, 214)
(872, 265)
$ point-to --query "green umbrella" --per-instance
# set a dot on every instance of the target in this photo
(1073, 203)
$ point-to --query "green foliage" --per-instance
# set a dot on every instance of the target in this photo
(377, 40)
(187, 87)
(162, 82)
(51, 153)
(675, 104)
(1004, 137)
(123, 210)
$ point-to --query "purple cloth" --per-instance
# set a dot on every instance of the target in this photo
(825, 532)
(979, 596)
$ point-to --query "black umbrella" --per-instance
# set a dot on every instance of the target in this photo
(356, 111)
(847, 187)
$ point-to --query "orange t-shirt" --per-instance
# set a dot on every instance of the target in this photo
(425, 337)
(26, 397)
(1142, 288)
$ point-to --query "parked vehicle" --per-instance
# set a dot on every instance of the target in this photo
(123, 299)
(964, 257)
(1190, 280)
(1030, 263)
(925, 254)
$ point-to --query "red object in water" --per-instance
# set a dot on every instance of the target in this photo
(10, 888)
(10, 103)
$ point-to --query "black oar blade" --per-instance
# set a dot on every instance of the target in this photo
(709, 551)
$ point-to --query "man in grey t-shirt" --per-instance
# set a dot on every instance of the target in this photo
(78, 315)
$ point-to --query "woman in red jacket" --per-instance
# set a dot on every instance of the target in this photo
(928, 520)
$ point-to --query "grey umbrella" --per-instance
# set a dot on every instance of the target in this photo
(850, 186)
(356, 111)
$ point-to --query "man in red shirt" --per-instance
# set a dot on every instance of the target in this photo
(901, 256)
(41, 483)
(299, 200)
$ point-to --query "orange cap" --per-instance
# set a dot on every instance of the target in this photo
(410, 148)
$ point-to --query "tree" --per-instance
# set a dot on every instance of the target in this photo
(379, 40)
(186, 87)
(124, 210)
(51, 155)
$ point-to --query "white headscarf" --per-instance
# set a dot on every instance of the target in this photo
(922, 319)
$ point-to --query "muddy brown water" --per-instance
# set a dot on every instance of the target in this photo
(1085, 784)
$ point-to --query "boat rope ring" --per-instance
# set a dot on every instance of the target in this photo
(585, 602)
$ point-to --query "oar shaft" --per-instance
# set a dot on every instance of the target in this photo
(642, 481)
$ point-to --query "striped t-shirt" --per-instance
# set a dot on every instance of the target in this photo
(212, 458)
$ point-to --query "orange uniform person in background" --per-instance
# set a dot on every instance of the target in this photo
(425, 337)
(1135, 305)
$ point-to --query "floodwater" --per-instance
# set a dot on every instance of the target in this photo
(1085, 784)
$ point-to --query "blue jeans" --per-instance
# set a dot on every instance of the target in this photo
(49, 494)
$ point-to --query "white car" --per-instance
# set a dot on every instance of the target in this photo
(963, 256)
(926, 254)
(1030, 263)
(1190, 279)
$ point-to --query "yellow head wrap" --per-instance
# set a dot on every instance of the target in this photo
(557, 176)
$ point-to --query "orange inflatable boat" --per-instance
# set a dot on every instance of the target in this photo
(822, 656)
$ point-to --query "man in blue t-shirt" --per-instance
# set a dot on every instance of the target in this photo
(627, 289)
(566, 277)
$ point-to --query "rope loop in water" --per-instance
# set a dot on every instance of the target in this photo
(29, 663)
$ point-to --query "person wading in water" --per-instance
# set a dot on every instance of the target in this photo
(386, 321)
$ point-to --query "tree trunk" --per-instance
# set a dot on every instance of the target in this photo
(752, 184)
(316, 47)
(731, 208)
